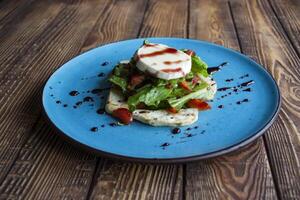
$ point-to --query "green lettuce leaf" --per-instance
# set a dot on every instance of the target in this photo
(198, 66)
(202, 92)
(151, 96)
(156, 95)
(137, 98)
(121, 70)
(121, 82)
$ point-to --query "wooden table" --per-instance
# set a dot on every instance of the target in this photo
(36, 37)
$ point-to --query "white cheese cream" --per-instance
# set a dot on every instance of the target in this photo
(162, 61)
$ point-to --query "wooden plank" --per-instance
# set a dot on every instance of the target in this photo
(20, 106)
(121, 20)
(45, 167)
(263, 38)
(10, 9)
(288, 13)
(37, 172)
(244, 174)
(165, 18)
(116, 180)
(19, 32)
(13, 111)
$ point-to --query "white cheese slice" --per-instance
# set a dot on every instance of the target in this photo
(162, 61)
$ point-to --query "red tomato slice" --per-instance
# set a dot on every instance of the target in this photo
(123, 114)
(185, 86)
(199, 104)
(172, 110)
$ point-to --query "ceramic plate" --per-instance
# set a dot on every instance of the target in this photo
(75, 95)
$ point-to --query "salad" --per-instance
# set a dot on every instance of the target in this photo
(160, 82)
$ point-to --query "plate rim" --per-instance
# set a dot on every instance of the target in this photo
(185, 159)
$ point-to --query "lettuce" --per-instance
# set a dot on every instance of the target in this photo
(150, 96)
(202, 92)
(199, 67)
(121, 82)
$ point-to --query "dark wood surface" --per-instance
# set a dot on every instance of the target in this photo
(36, 37)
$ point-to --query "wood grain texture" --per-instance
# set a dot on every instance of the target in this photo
(19, 113)
(116, 180)
(45, 167)
(165, 18)
(237, 175)
(10, 9)
(288, 13)
(120, 20)
(48, 168)
(263, 38)
(20, 103)
(20, 32)
(243, 174)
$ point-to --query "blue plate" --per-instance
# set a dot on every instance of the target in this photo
(237, 117)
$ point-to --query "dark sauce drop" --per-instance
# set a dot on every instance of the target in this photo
(100, 111)
(247, 90)
(102, 125)
(94, 129)
(74, 107)
(58, 102)
(247, 83)
(113, 124)
(96, 91)
(235, 89)
(188, 129)
(65, 105)
(101, 74)
(212, 70)
(176, 130)
(51, 95)
(50, 88)
(78, 103)
(190, 135)
(244, 100)
(88, 99)
(229, 80)
(104, 63)
(74, 93)
(195, 127)
(165, 144)
(224, 89)
(244, 76)
(220, 106)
